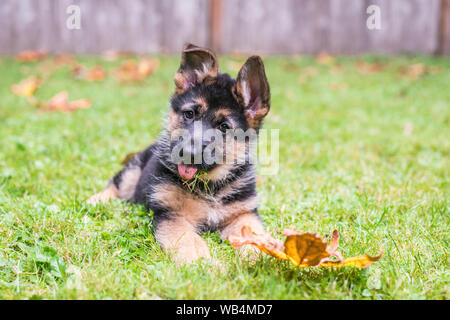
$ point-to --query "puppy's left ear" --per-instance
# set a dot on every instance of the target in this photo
(252, 91)
(198, 65)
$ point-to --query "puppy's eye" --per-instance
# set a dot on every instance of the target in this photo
(188, 114)
(224, 127)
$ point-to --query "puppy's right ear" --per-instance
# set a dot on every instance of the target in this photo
(198, 65)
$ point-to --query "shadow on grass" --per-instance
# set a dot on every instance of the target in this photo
(286, 271)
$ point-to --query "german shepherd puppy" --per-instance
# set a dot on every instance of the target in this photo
(227, 200)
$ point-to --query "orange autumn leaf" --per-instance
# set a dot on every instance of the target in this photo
(358, 262)
(65, 60)
(413, 71)
(367, 68)
(302, 249)
(324, 58)
(26, 87)
(132, 70)
(80, 104)
(60, 102)
(31, 56)
(146, 67)
(96, 73)
(305, 249)
(264, 242)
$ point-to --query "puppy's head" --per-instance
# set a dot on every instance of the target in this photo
(209, 111)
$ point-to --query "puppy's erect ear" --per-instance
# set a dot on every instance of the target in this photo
(198, 65)
(252, 91)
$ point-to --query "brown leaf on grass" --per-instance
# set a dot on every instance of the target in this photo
(26, 87)
(413, 71)
(324, 58)
(358, 262)
(302, 249)
(305, 249)
(132, 70)
(265, 242)
(31, 55)
(146, 67)
(65, 60)
(60, 102)
(367, 68)
(96, 73)
(47, 67)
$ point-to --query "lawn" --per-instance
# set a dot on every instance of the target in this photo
(364, 148)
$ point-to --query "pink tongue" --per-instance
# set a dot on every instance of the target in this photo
(186, 172)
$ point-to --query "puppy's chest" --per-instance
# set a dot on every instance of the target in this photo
(206, 211)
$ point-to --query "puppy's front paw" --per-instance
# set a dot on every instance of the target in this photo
(192, 252)
(104, 196)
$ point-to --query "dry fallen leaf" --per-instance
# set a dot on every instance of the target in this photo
(132, 70)
(26, 87)
(324, 58)
(302, 249)
(413, 71)
(60, 102)
(96, 73)
(264, 242)
(367, 68)
(146, 67)
(31, 56)
(65, 60)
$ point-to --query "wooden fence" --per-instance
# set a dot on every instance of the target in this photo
(264, 26)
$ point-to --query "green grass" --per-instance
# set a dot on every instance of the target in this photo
(345, 162)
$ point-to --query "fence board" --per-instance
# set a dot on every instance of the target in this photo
(264, 26)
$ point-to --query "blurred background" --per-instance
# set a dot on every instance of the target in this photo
(261, 26)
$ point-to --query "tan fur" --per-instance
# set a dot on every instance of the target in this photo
(110, 192)
(182, 202)
(128, 183)
(235, 226)
(180, 83)
(174, 121)
(220, 172)
(255, 120)
(190, 211)
(179, 238)
(203, 105)
(196, 210)
(222, 113)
